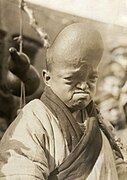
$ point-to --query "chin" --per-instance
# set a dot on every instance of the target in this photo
(79, 106)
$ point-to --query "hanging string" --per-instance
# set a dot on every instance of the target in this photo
(22, 96)
(21, 26)
(40, 31)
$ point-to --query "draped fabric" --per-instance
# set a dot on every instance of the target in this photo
(46, 142)
(85, 148)
(70, 128)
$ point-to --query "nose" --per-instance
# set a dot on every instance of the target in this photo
(82, 85)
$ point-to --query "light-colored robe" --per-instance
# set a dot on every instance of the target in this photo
(37, 147)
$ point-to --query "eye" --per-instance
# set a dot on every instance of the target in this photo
(93, 78)
(71, 80)
(68, 80)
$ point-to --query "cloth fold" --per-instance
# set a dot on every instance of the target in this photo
(70, 128)
(84, 146)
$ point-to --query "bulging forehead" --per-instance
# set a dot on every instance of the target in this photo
(75, 71)
(75, 44)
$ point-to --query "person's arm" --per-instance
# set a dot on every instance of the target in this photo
(121, 167)
(121, 164)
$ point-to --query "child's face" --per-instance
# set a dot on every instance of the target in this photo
(74, 84)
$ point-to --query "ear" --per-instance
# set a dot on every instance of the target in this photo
(46, 77)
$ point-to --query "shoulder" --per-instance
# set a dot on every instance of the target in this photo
(33, 118)
(37, 109)
(33, 105)
(34, 110)
(35, 115)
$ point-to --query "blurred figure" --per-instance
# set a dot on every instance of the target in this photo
(110, 85)
(111, 111)
(113, 90)
(120, 56)
(117, 70)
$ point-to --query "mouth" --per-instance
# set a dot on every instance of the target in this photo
(82, 94)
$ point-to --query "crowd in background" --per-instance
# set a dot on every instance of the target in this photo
(112, 99)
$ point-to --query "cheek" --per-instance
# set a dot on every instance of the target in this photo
(68, 92)
(92, 87)
(65, 91)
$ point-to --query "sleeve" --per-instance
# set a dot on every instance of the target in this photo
(121, 164)
(121, 167)
(23, 150)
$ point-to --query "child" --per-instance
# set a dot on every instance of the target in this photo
(61, 136)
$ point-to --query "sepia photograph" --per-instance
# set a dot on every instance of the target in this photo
(63, 90)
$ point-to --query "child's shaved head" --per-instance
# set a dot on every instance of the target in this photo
(72, 62)
(75, 44)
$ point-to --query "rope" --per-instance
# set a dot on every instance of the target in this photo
(22, 96)
(21, 26)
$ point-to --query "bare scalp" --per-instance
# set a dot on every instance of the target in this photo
(76, 43)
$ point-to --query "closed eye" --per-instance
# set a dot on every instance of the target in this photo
(93, 78)
(68, 78)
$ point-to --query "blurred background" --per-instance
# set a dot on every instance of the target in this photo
(110, 18)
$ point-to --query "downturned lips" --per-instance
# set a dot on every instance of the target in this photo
(82, 93)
